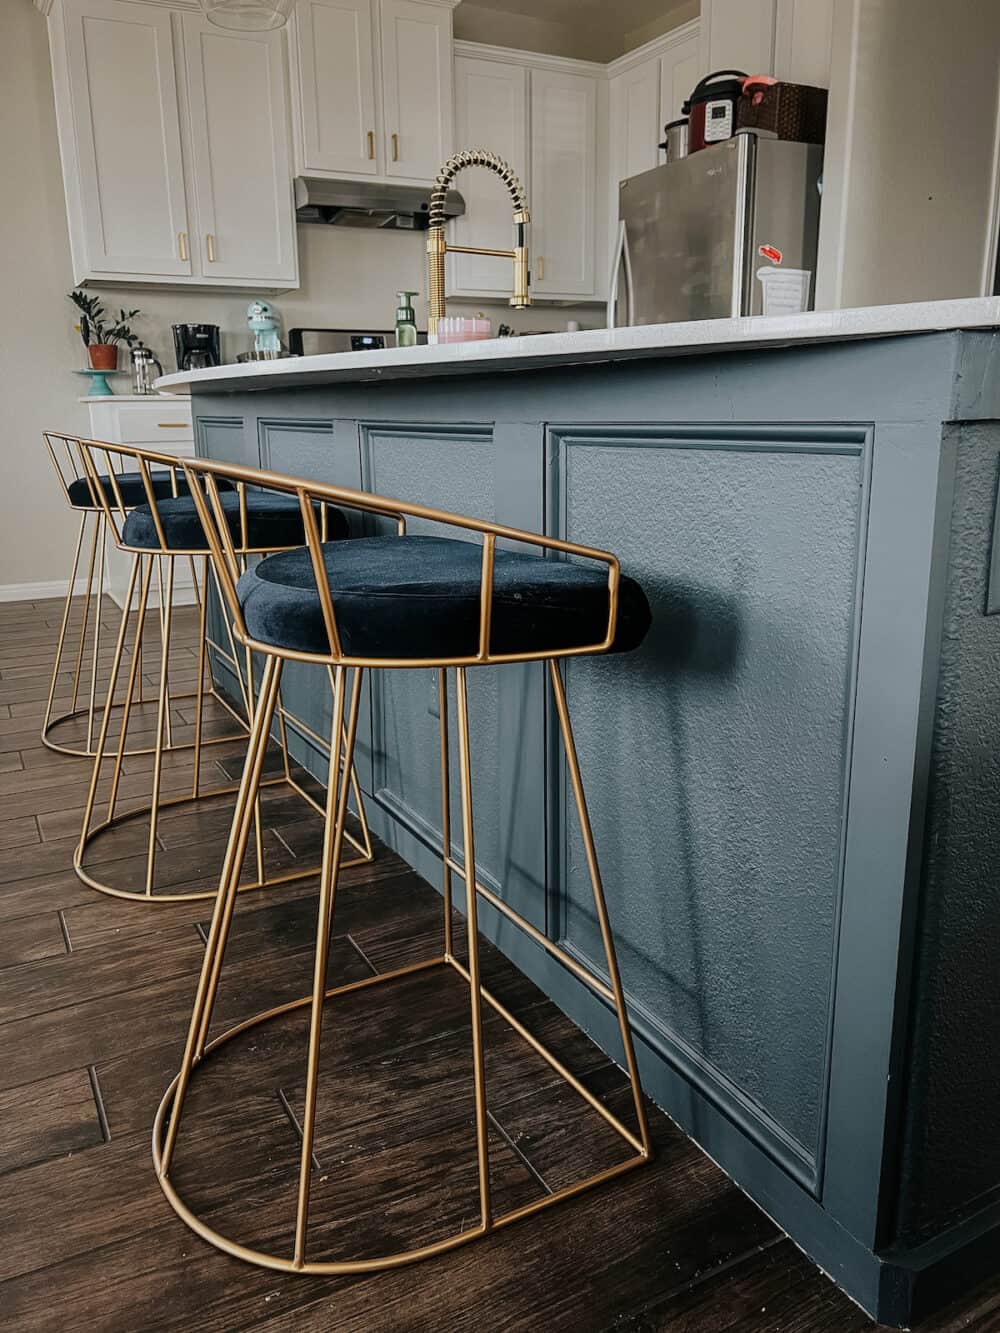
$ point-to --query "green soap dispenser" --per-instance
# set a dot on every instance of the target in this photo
(406, 320)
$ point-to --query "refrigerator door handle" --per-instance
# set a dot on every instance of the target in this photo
(621, 260)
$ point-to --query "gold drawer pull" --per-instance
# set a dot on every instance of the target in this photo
(210, 247)
(172, 425)
(540, 265)
(371, 145)
(182, 246)
(395, 147)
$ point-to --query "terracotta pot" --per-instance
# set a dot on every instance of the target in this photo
(103, 356)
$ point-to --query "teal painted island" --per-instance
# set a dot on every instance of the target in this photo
(795, 783)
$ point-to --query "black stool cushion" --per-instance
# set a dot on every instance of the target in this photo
(273, 521)
(133, 492)
(419, 597)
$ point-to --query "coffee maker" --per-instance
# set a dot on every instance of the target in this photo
(196, 345)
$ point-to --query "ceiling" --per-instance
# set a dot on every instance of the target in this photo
(587, 29)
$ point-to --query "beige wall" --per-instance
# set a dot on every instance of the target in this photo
(908, 178)
(349, 278)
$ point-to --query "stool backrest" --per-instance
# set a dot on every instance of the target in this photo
(64, 451)
(204, 476)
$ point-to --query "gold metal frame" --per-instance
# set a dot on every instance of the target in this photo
(202, 476)
(96, 458)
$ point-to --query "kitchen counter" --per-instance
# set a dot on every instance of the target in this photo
(543, 350)
(794, 782)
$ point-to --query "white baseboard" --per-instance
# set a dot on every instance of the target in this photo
(37, 592)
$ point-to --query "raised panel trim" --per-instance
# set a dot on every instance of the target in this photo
(803, 1164)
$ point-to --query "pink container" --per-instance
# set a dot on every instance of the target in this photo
(455, 329)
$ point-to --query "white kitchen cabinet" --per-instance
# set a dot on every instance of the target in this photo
(680, 70)
(635, 124)
(240, 154)
(491, 110)
(174, 139)
(335, 55)
(738, 34)
(417, 90)
(120, 137)
(372, 88)
(563, 198)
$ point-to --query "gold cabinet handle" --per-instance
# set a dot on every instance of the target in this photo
(540, 268)
(210, 247)
(172, 425)
(371, 145)
(182, 245)
(395, 147)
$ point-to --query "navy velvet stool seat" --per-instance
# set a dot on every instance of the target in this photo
(161, 536)
(385, 603)
(129, 486)
(419, 597)
(272, 522)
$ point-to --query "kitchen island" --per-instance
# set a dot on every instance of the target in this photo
(794, 783)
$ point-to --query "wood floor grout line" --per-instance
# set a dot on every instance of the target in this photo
(364, 957)
(286, 1106)
(102, 1115)
(523, 1157)
(64, 927)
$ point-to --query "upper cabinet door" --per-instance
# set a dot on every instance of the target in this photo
(336, 86)
(680, 70)
(491, 111)
(416, 88)
(130, 214)
(562, 201)
(635, 127)
(240, 153)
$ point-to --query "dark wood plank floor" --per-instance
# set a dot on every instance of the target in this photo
(94, 996)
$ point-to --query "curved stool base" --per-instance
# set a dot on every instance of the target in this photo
(397, 1260)
(136, 895)
(82, 751)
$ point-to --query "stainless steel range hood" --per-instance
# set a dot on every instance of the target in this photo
(339, 203)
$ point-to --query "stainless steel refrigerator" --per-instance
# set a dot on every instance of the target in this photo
(695, 235)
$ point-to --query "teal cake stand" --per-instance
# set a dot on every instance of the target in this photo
(99, 386)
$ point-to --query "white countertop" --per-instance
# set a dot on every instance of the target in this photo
(544, 350)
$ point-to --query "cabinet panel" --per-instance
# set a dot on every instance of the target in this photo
(336, 85)
(679, 72)
(491, 109)
(240, 149)
(563, 158)
(635, 119)
(417, 88)
(126, 133)
(738, 34)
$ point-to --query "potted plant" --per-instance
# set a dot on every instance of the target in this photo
(101, 333)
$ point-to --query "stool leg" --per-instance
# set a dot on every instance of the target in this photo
(475, 984)
(135, 670)
(95, 657)
(106, 719)
(208, 981)
(445, 809)
(201, 596)
(260, 729)
(162, 720)
(600, 906)
(333, 840)
(61, 641)
(95, 542)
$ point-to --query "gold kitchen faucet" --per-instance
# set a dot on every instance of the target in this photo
(438, 247)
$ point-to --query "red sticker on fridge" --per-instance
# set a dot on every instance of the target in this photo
(770, 252)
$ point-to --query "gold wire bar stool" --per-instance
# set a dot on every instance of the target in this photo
(157, 533)
(386, 602)
(85, 502)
